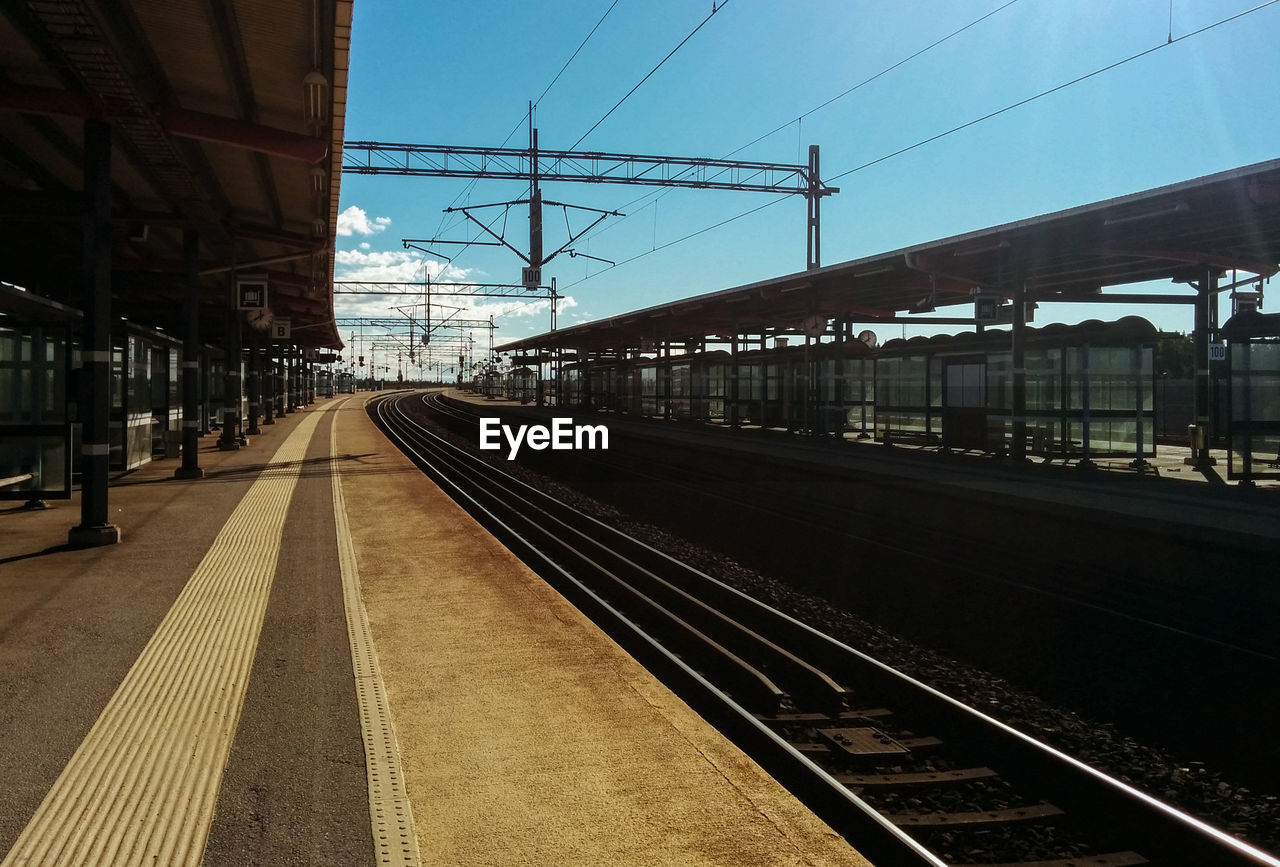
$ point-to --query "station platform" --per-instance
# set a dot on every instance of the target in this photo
(313, 656)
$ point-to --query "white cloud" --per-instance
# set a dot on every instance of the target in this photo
(364, 245)
(512, 315)
(354, 220)
(395, 266)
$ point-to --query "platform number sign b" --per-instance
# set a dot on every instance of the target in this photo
(281, 329)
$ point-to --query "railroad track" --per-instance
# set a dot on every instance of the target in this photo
(1077, 576)
(907, 774)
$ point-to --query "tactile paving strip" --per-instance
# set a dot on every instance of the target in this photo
(142, 787)
(389, 810)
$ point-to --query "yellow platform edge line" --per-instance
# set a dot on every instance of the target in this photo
(394, 838)
(143, 785)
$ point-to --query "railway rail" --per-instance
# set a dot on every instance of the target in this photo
(1078, 577)
(908, 774)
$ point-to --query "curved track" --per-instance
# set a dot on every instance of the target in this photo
(838, 728)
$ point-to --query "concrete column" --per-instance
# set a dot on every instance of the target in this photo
(95, 406)
(191, 422)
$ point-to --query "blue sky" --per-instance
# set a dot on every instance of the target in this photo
(462, 72)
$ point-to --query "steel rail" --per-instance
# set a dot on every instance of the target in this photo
(639, 564)
(1113, 593)
(566, 532)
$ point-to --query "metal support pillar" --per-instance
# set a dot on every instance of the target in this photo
(268, 380)
(1139, 462)
(1018, 445)
(205, 364)
(813, 196)
(664, 383)
(95, 407)
(1202, 411)
(733, 418)
(535, 205)
(191, 423)
(1086, 460)
(229, 441)
(282, 382)
(255, 387)
(291, 379)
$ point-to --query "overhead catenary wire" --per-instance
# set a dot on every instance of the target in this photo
(1053, 90)
(714, 9)
(659, 194)
(951, 131)
(575, 54)
(872, 78)
(466, 190)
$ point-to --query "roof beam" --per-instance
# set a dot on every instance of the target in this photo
(231, 48)
(176, 121)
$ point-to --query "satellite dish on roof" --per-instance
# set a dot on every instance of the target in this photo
(869, 337)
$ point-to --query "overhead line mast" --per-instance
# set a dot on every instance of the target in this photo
(536, 165)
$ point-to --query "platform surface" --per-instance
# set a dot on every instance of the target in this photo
(152, 707)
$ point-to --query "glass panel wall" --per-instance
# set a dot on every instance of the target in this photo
(902, 397)
(35, 431)
(1111, 389)
(1255, 409)
(709, 384)
(681, 391)
(649, 389)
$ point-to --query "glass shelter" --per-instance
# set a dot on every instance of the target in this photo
(1253, 429)
(1090, 390)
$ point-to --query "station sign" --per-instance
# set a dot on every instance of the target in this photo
(281, 329)
(1004, 313)
(251, 293)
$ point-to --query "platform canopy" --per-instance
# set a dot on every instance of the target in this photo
(1229, 220)
(226, 119)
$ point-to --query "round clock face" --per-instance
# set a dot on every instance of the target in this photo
(815, 325)
(259, 319)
